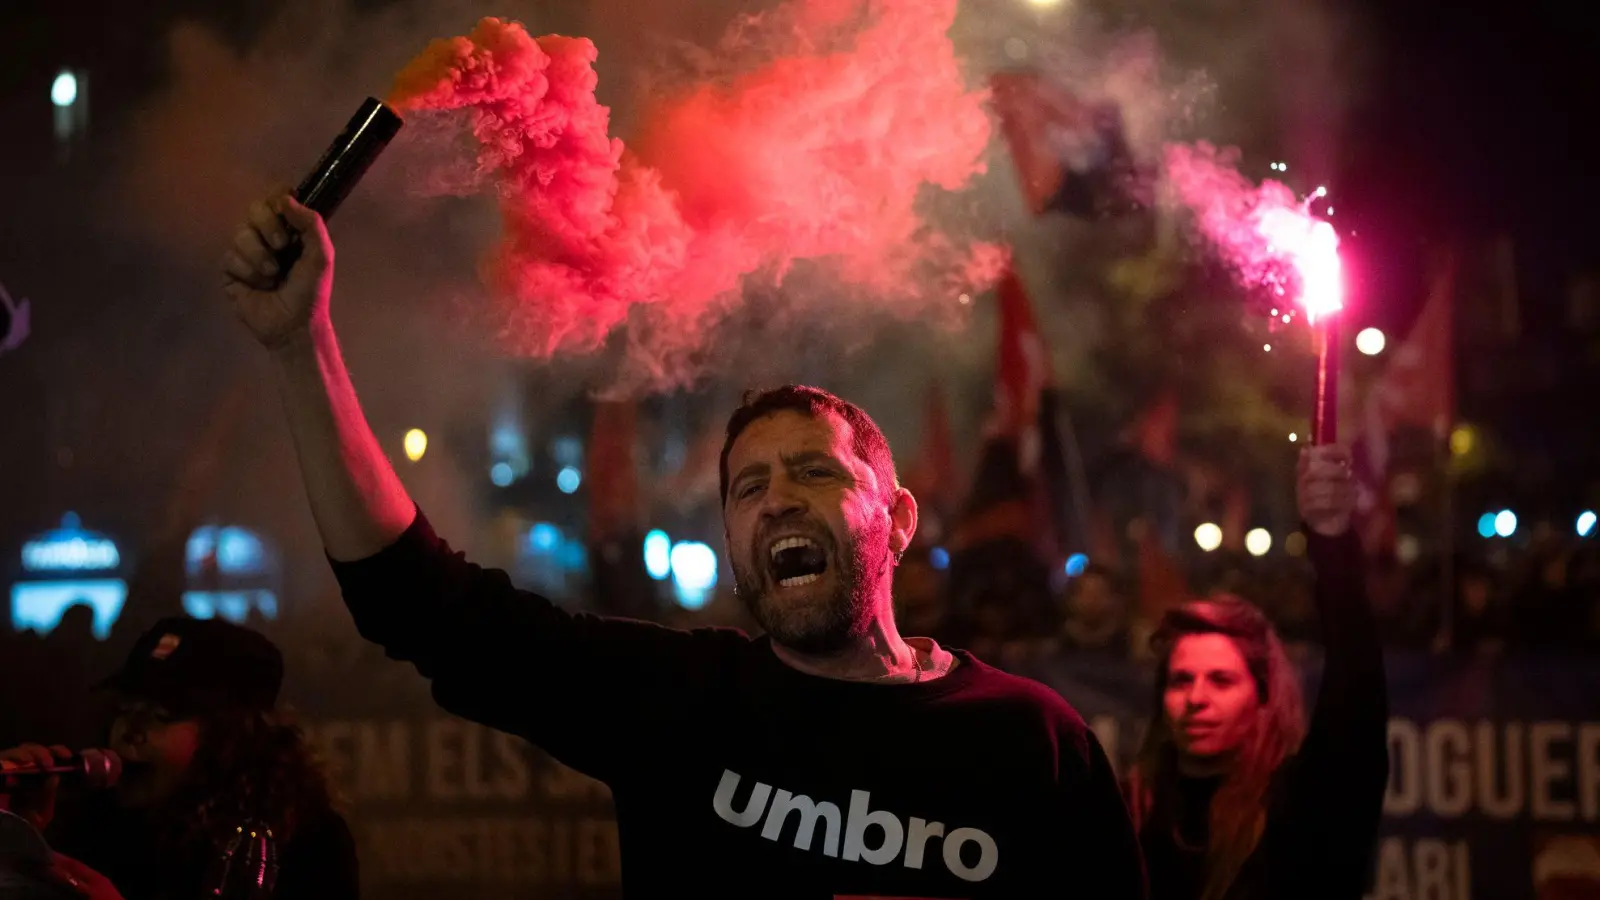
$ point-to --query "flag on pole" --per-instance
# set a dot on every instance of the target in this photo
(1020, 486)
(932, 478)
(1071, 156)
(1416, 390)
(1418, 387)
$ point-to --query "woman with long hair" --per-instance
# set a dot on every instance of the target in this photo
(207, 778)
(1234, 796)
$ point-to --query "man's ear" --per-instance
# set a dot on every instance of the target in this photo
(902, 520)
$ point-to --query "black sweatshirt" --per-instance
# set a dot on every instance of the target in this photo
(735, 775)
(1325, 801)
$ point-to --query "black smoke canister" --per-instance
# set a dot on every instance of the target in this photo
(352, 153)
(342, 165)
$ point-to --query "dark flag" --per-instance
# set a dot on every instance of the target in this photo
(1071, 156)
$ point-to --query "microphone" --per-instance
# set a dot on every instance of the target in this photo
(96, 768)
(365, 136)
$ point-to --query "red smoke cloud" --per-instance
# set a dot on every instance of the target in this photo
(817, 151)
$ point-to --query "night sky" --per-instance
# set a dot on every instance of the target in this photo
(1481, 126)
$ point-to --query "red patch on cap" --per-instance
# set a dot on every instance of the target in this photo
(165, 646)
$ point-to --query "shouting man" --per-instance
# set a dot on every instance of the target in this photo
(830, 758)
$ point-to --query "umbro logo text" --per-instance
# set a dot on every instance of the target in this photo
(906, 841)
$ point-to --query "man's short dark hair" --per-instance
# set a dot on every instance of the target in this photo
(867, 441)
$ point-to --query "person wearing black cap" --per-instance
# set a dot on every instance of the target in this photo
(202, 750)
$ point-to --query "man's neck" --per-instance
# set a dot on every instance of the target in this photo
(880, 654)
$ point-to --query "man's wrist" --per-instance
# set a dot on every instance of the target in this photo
(304, 343)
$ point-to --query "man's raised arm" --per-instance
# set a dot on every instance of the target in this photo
(357, 499)
(497, 655)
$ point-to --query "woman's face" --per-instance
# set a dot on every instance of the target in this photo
(1210, 698)
(156, 749)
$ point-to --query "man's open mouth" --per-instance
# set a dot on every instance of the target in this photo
(796, 561)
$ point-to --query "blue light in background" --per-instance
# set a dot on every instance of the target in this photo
(939, 558)
(500, 473)
(572, 556)
(568, 480)
(240, 551)
(229, 568)
(694, 573)
(1586, 520)
(658, 555)
(1077, 564)
(39, 605)
(544, 536)
(70, 554)
(234, 606)
(1505, 523)
(70, 549)
(505, 439)
(567, 450)
(549, 548)
(1486, 525)
(508, 445)
(234, 551)
(64, 90)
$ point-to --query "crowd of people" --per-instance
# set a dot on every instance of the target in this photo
(1547, 602)
(866, 676)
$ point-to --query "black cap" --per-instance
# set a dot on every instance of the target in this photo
(195, 666)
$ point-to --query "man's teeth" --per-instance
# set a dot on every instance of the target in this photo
(798, 581)
(790, 543)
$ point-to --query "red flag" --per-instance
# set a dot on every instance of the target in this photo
(1419, 386)
(1071, 155)
(1022, 372)
(1161, 584)
(1031, 116)
(1375, 517)
(1018, 489)
(932, 478)
(1417, 390)
(613, 478)
(1155, 433)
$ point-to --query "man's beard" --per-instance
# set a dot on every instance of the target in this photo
(828, 625)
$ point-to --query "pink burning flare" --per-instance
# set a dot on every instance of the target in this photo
(1267, 235)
